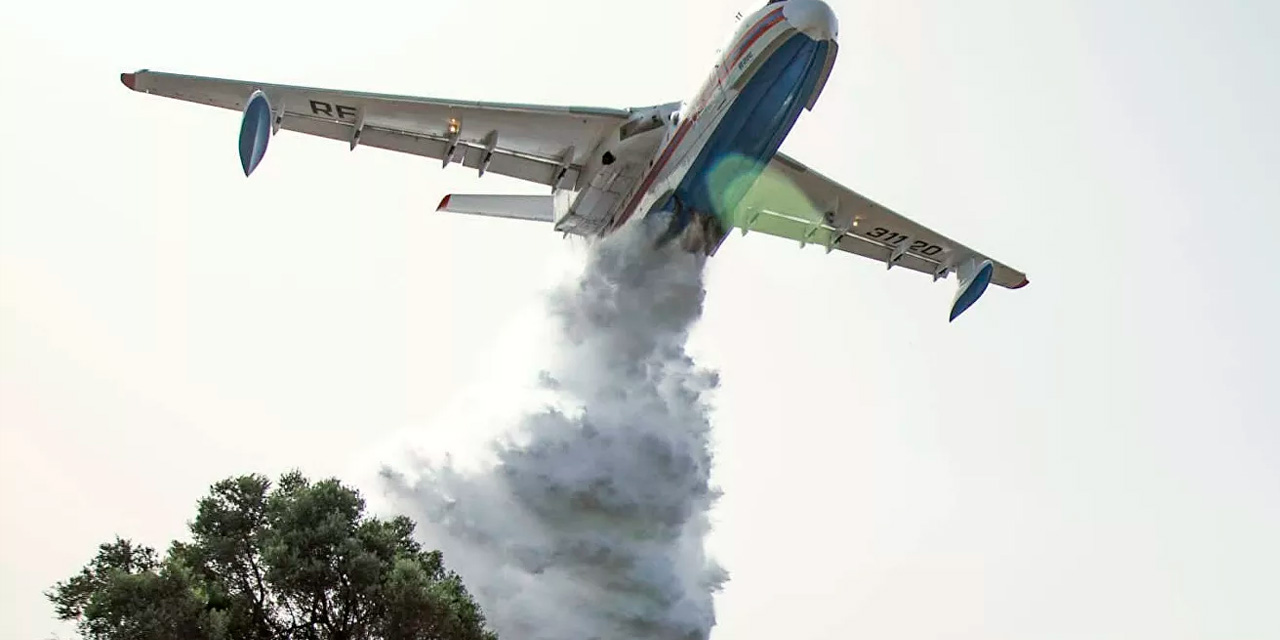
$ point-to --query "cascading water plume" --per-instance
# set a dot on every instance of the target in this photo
(589, 522)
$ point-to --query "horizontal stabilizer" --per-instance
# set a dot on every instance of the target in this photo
(520, 207)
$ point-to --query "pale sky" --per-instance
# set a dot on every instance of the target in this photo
(1093, 456)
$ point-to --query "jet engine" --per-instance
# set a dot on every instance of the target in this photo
(640, 134)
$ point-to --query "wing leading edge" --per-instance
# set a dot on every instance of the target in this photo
(537, 143)
(792, 201)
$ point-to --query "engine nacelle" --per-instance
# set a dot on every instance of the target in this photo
(640, 134)
(634, 142)
(255, 131)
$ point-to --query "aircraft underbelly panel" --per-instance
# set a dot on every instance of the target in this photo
(595, 205)
(746, 137)
(738, 135)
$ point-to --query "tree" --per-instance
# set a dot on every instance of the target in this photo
(297, 561)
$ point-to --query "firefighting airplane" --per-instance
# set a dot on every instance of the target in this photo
(701, 167)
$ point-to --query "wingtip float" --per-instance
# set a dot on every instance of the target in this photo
(974, 278)
(255, 131)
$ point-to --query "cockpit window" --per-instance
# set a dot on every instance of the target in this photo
(773, 2)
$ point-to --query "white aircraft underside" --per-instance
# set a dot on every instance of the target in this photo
(700, 167)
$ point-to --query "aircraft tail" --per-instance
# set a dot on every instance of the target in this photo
(520, 207)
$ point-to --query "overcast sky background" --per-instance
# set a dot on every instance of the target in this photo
(1093, 456)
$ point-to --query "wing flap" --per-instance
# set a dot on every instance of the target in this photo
(503, 161)
(808, 231)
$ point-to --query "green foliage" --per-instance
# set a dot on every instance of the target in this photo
(299, 560)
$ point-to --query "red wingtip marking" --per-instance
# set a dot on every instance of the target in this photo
(444, 203)
(128, 79)
(1022, 284)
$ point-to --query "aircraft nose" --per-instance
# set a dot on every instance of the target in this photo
(813, 18)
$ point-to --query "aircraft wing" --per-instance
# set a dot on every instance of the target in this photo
(792, 201)
(536, 143)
